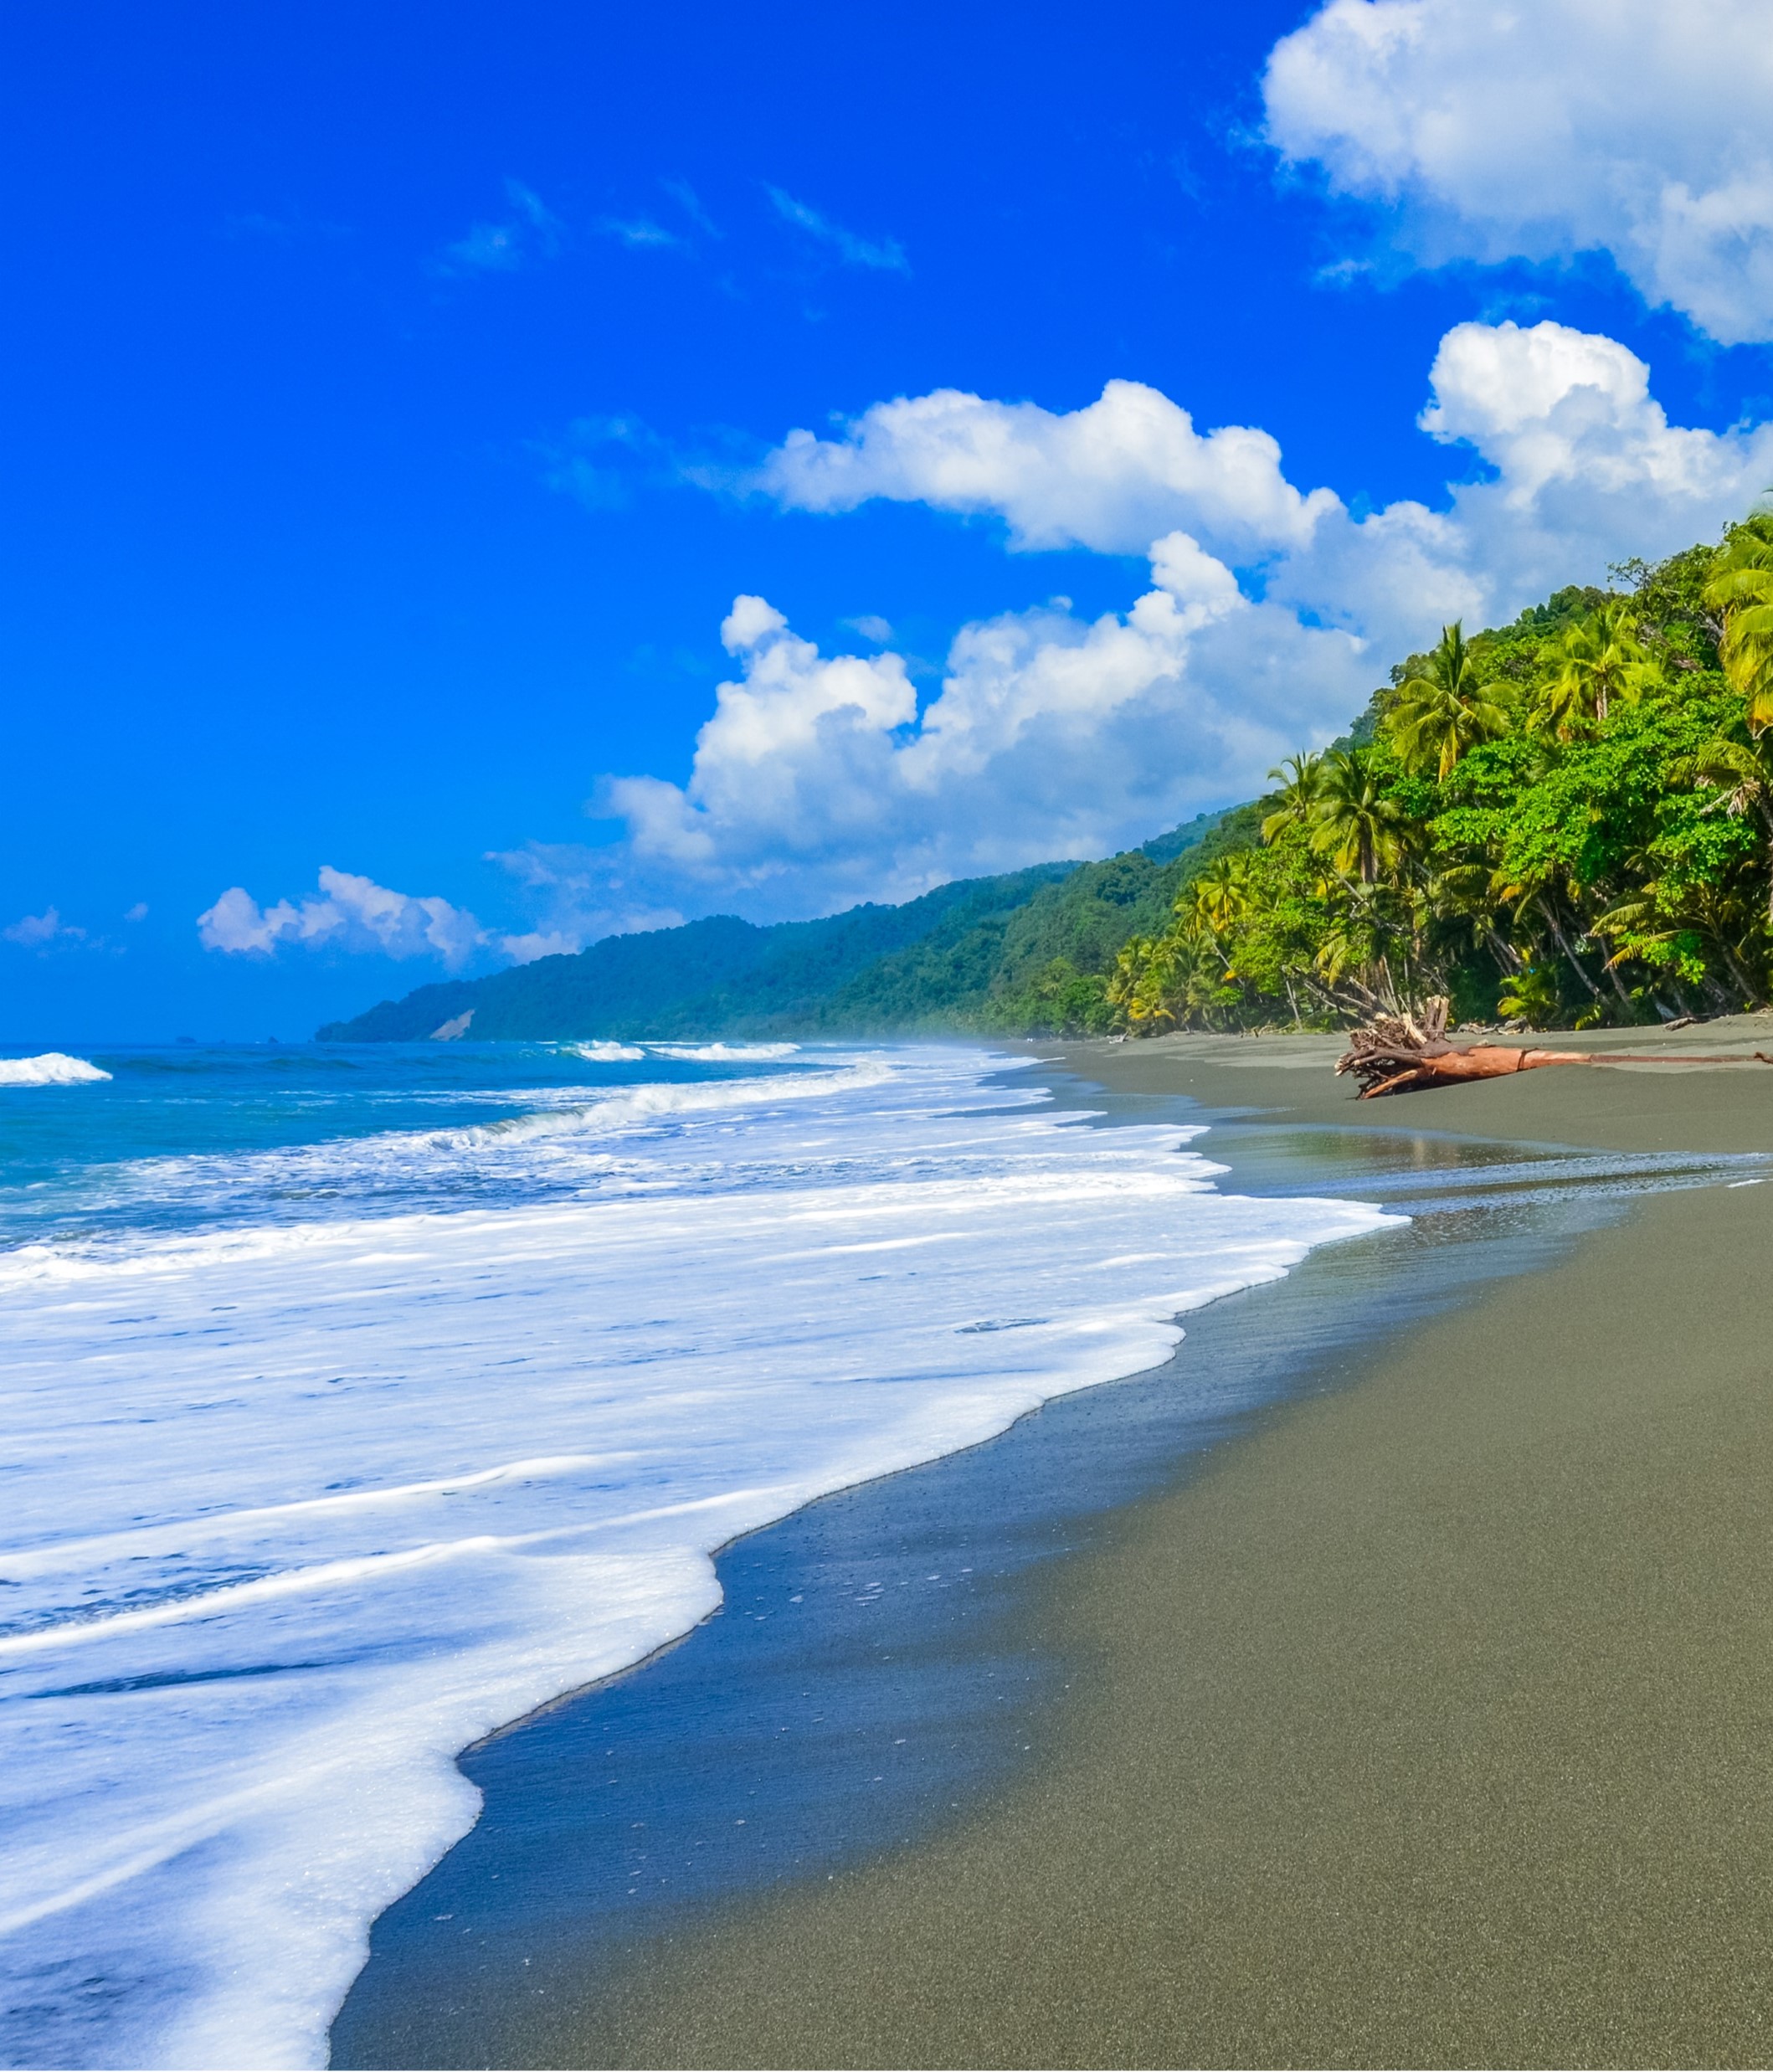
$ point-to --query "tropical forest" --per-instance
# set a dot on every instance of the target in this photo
(1559, 823)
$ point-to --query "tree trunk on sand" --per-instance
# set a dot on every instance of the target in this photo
(1402, 1054)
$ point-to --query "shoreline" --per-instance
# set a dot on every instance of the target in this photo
(683, 1731)
(689, 2001)
(1426, 1725)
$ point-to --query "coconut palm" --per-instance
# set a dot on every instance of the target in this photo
(1140, 983)
(1741, 588)
(1742, 775)
(1157, 981)
(1357, 827)
(1301, 786)
(1540, 898)
(1659, 915)
(1531, 995)
(1601, 660)
(1445, 711)
(1220, 897)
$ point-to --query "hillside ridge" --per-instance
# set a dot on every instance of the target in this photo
(1026, 949)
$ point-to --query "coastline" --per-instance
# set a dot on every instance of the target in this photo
(1215, 1856)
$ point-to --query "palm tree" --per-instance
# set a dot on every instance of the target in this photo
(1602, 659)
(1220, 897)
(1741, 588)
(1743, 778)
(1159, 982)
(1301, 786)
(1445, 711)
(1658, 914)
(1541, 895)
(1357, 824)
(1531, 995)
(1141, 981)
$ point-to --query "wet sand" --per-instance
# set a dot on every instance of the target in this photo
(1430, 1723)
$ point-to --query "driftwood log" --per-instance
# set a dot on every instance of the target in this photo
(1403, 1054)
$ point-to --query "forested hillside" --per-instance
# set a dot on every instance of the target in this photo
(1562, 821)
(718, 976)
(1032, 949)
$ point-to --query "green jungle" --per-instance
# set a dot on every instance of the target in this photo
(1558, 823)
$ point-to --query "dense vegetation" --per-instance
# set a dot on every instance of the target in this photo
(1042, 968)
(1567, 821)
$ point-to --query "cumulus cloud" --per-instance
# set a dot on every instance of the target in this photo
(1270, 612)
(1585, 468)
(1110, 476)
(1627, 126)
(349, 913)
(878, 254)
(530, 232)
(817, 782)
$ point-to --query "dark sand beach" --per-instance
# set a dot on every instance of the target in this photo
(1430, 1720)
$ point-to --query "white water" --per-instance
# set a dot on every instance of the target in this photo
(296, 1510)
(727, 1053)
(53, 1068)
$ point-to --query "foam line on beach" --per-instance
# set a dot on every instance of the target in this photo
(388, 1483)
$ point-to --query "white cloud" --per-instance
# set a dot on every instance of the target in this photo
(37, 931)
(817, 781)
(530, 232)
(1110, 476)
(1586, 469)
(1629, 127)
(525, 949)
(879, 254)
(350, 913)
(139, 912)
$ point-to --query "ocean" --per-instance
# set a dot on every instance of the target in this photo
(361, 1400)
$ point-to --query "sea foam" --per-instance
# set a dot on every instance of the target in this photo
(54, 1068)
(725, 1053)
(298, 1509)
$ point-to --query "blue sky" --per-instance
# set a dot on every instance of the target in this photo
(398, 400)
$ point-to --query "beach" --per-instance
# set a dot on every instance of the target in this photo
(448, 1382)
(1425, 1722)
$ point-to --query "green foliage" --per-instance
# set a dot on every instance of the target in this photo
(1741, 588)
(1446, 710)
(1533, 996)
(1565, 820)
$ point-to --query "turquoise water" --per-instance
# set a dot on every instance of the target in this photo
(360, 1401)
(179, 1137)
